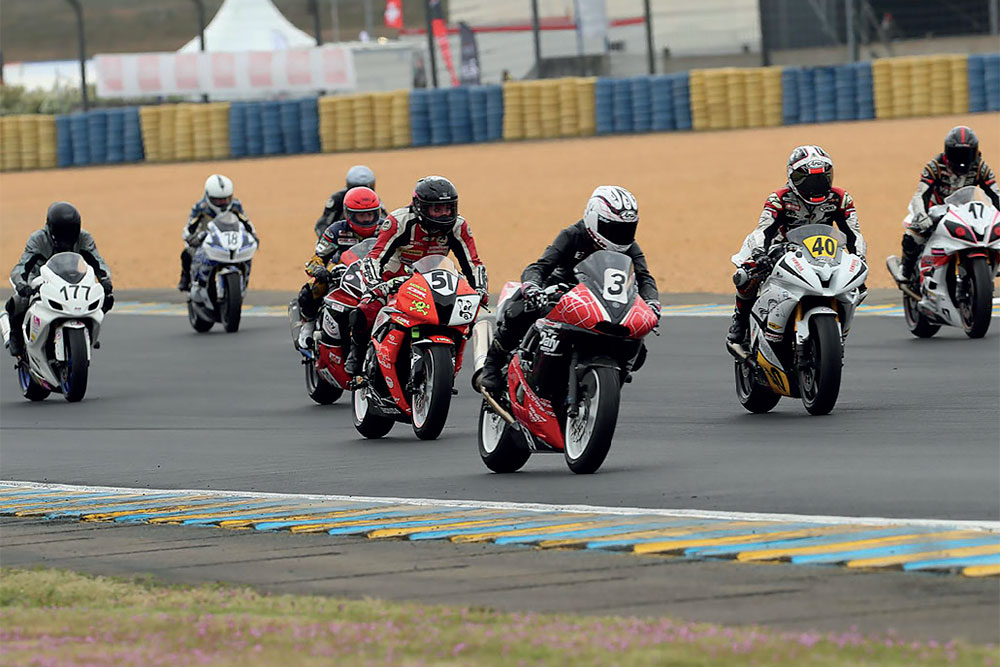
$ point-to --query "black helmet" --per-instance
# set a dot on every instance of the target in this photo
(62, 222)
(961, 149)
(435, 190)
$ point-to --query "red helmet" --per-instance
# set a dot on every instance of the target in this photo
(362, 200)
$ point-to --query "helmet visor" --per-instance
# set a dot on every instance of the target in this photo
(363, 218)
(445, 212)
(960, 157)
(812, 186)
(221, 202)
(617, 232)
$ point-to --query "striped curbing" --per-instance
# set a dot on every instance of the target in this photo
(969, 548)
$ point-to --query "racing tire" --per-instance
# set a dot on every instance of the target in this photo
(197, 322)
(30, 388)
(367, 423)
(753, 396)
(919, 325)
(319, 389)
(432, 400)
(501, 446)
(976, 312)
(588, 435)
(232, 303)
(820, 384)
(76, 368)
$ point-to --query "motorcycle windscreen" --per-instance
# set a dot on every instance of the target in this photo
(961, 196)
(821, 243)
(69, 266)
(358, 251)
(611, 277)
(431, 262)
(227, 222)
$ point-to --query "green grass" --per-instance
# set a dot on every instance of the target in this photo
(50, 617)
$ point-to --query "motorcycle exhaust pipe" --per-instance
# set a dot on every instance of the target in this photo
(482, 338)
(737, 351)
(506, 416)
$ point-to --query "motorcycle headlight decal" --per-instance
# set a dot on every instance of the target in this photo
(959, 231)
(995, 233)
(93, 304)
(54, 305)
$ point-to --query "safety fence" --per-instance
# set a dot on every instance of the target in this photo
(707, 99)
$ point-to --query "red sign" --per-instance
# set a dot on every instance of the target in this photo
(394, 14)
(260, 69)
(148, 71)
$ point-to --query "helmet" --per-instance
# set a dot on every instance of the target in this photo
(62, 222)
(359, 175)
(961, 148)
(219, 193)
(611, 216)
(362, 200)
(435, 190)
(810, 173)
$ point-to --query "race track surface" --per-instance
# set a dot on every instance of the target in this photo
(914, 434)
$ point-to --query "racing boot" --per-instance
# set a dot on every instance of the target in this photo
(491, 377)
(741, 321)
(306, 334)
(354, 365)
(185, 283)
(908, 262)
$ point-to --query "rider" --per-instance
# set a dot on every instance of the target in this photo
(61, 233)
(357, 176)
(217, 200)
(808, 198)
(362, 216)
(960, 165)
(609, 223)
(430, 225)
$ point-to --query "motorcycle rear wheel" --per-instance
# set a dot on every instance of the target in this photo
(977, 310)
(319, 389)
(501, 446)
(588, 435)
(30, 388)
(819, 384)
(367, 423)
(919, 325)
(753, 396)
(232, 303)
(197, 322)
(432, 399)
(76, 367)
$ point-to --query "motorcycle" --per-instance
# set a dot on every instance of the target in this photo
(324, 361)
(564, 380)
(220, 274)
(954, 286)
(61, 325)
(416, 348)
(800, 321)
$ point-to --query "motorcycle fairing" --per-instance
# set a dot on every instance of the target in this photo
(387, 353)
(330, 365)
(532, 411)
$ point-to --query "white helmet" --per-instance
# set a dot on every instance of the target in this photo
(611, 217)
(360, 176)
(219, 193)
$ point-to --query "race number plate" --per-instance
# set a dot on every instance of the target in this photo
(821, 245)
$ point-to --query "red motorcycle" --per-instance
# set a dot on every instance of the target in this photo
(324, 362)
(564, 381)
(416, 350)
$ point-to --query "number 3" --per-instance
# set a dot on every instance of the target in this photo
(614, 285)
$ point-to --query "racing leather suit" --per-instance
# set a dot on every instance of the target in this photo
(201, 215)
(337, 238)
(571, 246)
(333, 211)
(938, 181)
(38, 250)
(785, 210)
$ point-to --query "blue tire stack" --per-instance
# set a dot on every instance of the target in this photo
(64, 141)
(132, 135)
(238, 129)
(642, 104)
(309, 129)
(661, 103)
(420, 117)
(270, 127)
(682, 100)
(846, 86)
(97, 131)
(459, 115)
(622, 105)
(603, 96)
(494, 113)
(291, 126)
(477, 113)
(991, 81)
(440, 120)
(116, 135)
(81, 139)
(790, 95)
(255, 129)
(865, 88)
(824, 85)
(806, 83)
(977, 83)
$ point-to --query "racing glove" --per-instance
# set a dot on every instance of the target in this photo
(534, 296)
(23, 289)
(109, 297)
(920, 222)
(655, 306)
(484, 296)
(196, 240)
(321, 275)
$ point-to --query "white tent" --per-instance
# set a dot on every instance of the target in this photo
(250, 25)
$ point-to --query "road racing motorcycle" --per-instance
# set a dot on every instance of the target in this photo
(564, 380)
(800, 321)
(61, 326)
(416, 348)
(954, 285)
(220, 274)
(324, 361)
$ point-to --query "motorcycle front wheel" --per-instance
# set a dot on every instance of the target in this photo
(752, 395)
(588, 435)
(819, 378)
(431, 400)
(501, 446)
(76, 369)
(977, 306)
(232, 303)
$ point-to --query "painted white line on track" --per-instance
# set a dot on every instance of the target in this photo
(957, 524)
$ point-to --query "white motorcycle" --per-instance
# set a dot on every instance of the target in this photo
(61, 326)
(800, 321)
(954, 286)
(220, 274)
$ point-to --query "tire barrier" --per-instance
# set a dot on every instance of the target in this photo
(991, 83)
(959, 83)
(115, 132)
(845, 85)
(80, 134)
(603, 97)
(364, 124)
(459, 115)
(309, 124)
(440, 120)
(255, 133)
(642, 104)
(184, 132)
(97, 135)
(682, 101)
(864, 94)
(64, 142)
(983, 77)
(698, 101)
(621, 105)
(661, 104)
(47, 142)
(825, 95)
(343, 113)
(149, 119)
(494, 113)
(237, 129)
(513, 111)
(477, 113)
(270, 128)
(290, 121)
(569, 110)
(531, 106)
(401, 130)
(790, 96)
(382, 113)
(132, 135)
(420, 118)
(201, 132)
(549, 104)
(27, 129)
